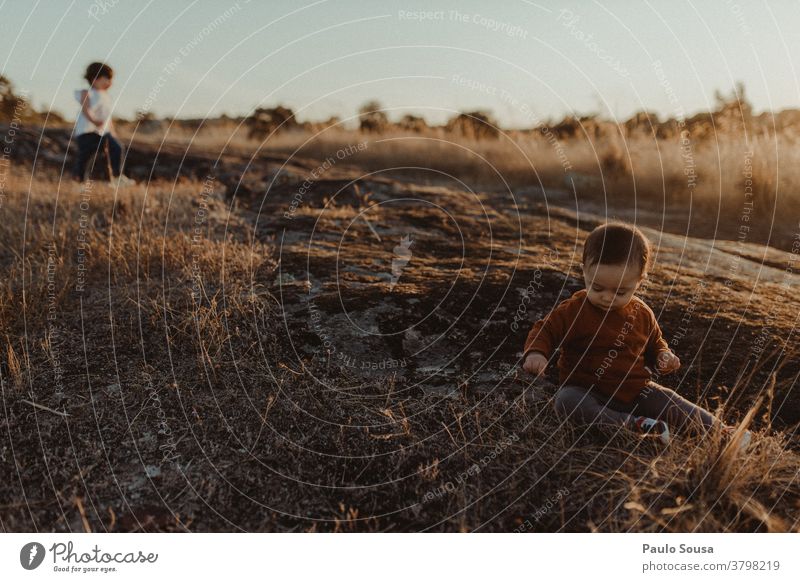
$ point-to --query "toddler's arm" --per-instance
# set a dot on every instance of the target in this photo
(667, 362)
(546, 335)
(535, 363)
(657, 352)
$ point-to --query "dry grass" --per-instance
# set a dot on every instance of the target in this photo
(142, 364)
(717, 487)
(699, 185)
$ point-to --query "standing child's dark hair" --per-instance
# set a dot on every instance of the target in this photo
(617, 243)
(97, 70)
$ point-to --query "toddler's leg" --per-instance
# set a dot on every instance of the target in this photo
(582, 405)
(659, 402)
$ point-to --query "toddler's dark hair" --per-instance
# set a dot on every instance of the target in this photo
(97, 70)
(617, 243)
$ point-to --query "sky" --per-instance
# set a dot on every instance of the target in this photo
(524, 61)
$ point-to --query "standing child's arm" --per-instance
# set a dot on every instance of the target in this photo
(86, 110)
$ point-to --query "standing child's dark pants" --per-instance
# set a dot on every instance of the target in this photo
(88, 144)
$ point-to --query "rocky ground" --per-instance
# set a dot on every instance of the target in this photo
(266, 344)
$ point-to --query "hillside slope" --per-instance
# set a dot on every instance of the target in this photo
(197, 355)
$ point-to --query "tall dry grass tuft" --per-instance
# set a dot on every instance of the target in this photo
(707, 483)
(14, 367)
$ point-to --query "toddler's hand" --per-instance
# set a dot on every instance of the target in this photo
(667, 362)
(535, 364)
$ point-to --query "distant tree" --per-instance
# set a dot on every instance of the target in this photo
(586, 126)
(11, 104)
(147, 121)
(372, 118)
(567, 128)
(734, 105)
(641, 122)
(265, 121)
(735, 98)
(474, 125)
(412, 123)
(144, 115)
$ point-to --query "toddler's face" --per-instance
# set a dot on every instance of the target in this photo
(611, 286)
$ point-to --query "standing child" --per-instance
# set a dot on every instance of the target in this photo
(93, 128)
(610, 341)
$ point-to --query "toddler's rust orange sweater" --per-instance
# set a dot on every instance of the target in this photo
(602, 350)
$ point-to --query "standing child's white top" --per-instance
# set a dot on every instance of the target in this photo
(99, 108)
